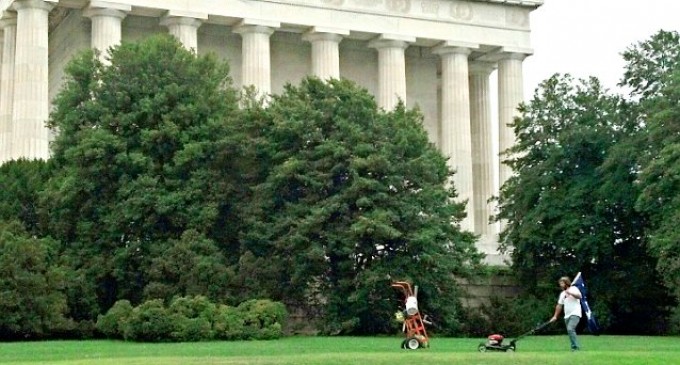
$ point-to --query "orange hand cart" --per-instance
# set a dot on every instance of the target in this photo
(414, 323)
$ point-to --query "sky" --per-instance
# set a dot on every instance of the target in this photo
(586, 37)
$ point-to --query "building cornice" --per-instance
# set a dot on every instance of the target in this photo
(497, 23)
(528, 3)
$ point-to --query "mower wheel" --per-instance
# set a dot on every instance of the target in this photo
(511, 349)
(481, 347)
(403, 344)
(412, 343)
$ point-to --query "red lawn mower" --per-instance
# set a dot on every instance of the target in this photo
(495, 342)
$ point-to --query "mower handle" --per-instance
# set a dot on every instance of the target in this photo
(537, 328)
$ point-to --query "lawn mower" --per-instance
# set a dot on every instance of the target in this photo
(495, 342)
(414, 323)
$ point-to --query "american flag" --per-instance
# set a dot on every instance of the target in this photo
(578, 282)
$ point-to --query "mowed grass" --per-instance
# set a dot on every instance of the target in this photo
(544, 350)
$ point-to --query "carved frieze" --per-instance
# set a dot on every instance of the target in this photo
(494, 13)
(461, 10)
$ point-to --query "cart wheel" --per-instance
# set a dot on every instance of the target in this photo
(481, 347)
(412, 343)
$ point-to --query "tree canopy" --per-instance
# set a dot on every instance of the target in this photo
(165, 181)
(144, 153)
(594, 189)
(354, 198)
(653, 71)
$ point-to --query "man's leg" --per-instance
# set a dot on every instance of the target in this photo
(572, 322)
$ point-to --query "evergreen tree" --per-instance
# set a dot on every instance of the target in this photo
(32, 285)
(21, 182)
(653, 75)
(571, 204)
(353, 198)
(144, 152)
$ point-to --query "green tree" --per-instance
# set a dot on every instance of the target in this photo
(354, 198)
(653, 72)
(32, 299)
(570, 205)
(145, 151)
(20, 184)
(651, 63)
(192, 265)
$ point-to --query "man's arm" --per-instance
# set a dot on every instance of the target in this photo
(558, 310)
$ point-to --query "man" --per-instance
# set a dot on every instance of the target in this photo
(570, 300)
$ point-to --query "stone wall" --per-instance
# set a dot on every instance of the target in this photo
(479, 290)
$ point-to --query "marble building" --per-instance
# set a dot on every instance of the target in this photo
(437, 54)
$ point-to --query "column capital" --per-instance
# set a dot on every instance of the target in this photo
(507, 53)
(325, 34)
(481, 68)
(256, 26)
(97, 4)
(39, 4)
(170, 20)
(8, 19)
(450, 47)
(103, 8)
(391, 41)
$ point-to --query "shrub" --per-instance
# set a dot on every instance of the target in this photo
(509, 316)
(263, 319)
(149, 322)
(229, 323)
(193, 307)
(674, 325)
(112, 324)
(32, 299)
(190, 329)
(192, 318)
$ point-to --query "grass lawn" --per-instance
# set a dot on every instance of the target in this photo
(543, 350)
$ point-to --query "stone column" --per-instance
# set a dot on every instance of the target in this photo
(184, 27)
(510, 95)
(482, 154)
(107, 24)
(325, 51)
(455, 140)
(391, 69)
(482, 143)
(31, 101)
(8, 23)
(256, 55)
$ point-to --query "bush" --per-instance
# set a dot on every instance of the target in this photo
(112, 324)
(149, 322)
(509, 316)
(263, 319)
(192, 318)
(32, 299)
(190, 329)
(193, 307)
(229, 323)
(674, 325)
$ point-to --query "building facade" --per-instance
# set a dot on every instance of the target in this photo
(436, 54)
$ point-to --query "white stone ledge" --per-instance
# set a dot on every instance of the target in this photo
(531, 3)
(186, 14)
(496, 23)
(109, 5)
